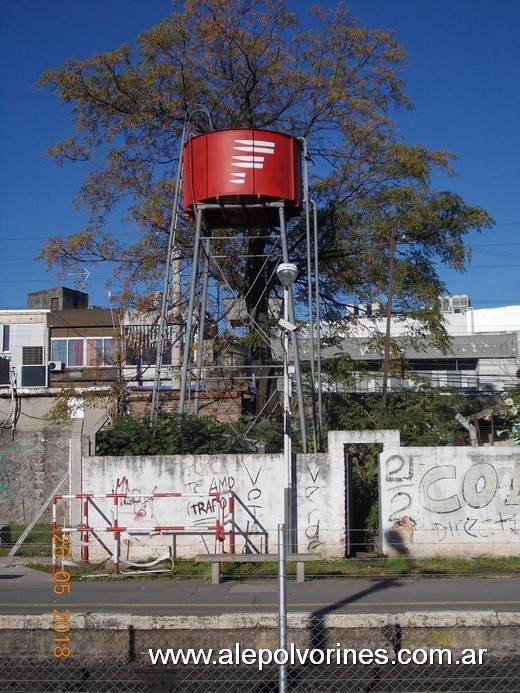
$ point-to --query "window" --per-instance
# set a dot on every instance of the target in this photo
(141, 345)
(75, 352)
(82, 352)
(5, 334)
(100, 351)
(440, 378)
(59, 350)
(32, 355)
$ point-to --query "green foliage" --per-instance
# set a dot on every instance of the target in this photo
(267, 431)
(421, 567)
(37, 542)
(174, 434)
(425, 416)
(70, 400)
(60, 412)
(253, 64)
(363, 461)
(507, 414)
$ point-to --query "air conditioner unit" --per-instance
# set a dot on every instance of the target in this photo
(32, 376)
(56, 366)
(446, 305)
(4, 371)
(461, 301)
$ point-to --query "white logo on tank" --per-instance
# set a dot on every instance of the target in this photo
(253, 159)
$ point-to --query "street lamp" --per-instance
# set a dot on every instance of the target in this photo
(287, 273)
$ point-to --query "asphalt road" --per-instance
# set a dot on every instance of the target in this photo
(25, 591)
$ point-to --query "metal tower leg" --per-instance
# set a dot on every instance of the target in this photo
(309, 293)
(202, 328)
(191, 305)
(171, 266)
(318, 325)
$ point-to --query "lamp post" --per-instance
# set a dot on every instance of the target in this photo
(287, 273)
(391, 266)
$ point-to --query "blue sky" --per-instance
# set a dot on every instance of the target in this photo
(464, 78)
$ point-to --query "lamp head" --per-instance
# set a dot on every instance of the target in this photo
(287, 273)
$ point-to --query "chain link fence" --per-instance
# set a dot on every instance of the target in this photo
(454, 651)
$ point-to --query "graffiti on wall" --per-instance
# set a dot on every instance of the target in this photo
(313, 497)
(475, 498)
(141, 506)
(202, 500)
(204, 511)
(10, 478)
(254, 484)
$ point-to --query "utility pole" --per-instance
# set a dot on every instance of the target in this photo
(386, 360)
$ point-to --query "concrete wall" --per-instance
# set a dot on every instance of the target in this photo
(450, 501)
(126, 638)
(37, 456)
(257, 482)
(434, 501)
(31, 466)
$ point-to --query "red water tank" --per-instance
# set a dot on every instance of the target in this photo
(242, 171)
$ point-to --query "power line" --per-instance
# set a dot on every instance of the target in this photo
(53, 281)
(44, 238)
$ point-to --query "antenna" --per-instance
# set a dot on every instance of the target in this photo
(80, 285)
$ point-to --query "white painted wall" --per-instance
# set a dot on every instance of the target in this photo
(257, 482)
(450, 501)
(446, 501)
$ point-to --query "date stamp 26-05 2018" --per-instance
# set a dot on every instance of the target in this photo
(61, 586)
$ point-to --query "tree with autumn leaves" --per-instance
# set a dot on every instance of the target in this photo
(251, 63)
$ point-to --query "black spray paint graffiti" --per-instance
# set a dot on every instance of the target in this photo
(312, 531)
(477, 528)
(216, 485)
(221, 484)
(195, 486)
(10, 480)
(254, 505)
(399, 470)
(513, 497)
(445, 490)
(208, 509)
(205, 511)
(478, 488)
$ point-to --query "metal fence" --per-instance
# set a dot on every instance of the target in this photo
(409, 652)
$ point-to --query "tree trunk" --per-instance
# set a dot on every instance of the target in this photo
(257, 303)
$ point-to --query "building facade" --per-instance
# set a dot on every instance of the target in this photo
(59, 341)
(483, 356)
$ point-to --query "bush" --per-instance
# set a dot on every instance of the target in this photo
(173, 434)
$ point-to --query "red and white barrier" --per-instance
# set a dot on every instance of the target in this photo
(222, 527)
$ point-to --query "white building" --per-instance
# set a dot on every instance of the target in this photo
(483, 356)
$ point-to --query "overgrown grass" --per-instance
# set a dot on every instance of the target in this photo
(184, 569)
(37, 543)
(386, 567)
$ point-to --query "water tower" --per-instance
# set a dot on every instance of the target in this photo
(240, 182)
